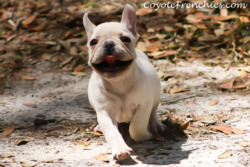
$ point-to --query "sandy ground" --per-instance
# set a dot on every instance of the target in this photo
(53, 121)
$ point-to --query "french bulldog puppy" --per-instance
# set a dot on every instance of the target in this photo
(124, 86)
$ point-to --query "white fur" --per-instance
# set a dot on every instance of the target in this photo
(133, 96)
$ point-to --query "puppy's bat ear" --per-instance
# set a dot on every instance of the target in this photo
(89, 26)
(129, 19)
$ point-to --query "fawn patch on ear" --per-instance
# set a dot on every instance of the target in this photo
(89, 26)
(129, 19)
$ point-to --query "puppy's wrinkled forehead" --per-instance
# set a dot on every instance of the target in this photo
(110, 30)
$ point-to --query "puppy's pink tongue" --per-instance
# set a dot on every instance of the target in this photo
(110, 59)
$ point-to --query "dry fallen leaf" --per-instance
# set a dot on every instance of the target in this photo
(11, 37)
(156, 54)
(227, 85)
(152, 48)
(25, 77)
(159, 138)
(226, 154)
(227, 130)
(209, 121)
(102, 157)
(246, 39)
(167, 76)
(66, 69)
(68, 33)
(239, 87)
(38, 28)
(66, 123)
(228, 32)
(160, 74)
(98, 133)
(87, 143)
(6, 156)
(170, 52)
(226, 68)
(245, 144)
(237, 131)
(26, 165)
(161, 54)
(191, 100)
(178, 90)
(141, 46)
(243, 74)
(47, 95)
(224, 12)
(185, 126)
(214, 103)
(9, 130)
(79, 146)
(168, 28)
(29, 20)
(244, 19)
(2, 164)
(73, 50)
(51, 161)
(201, 26)
(80, 74)
(82, 143)
(22, 141)
(30, 105)
(177, 118)
(144, 11)
(67, 61)
(197, 48)
(224, 18)
(80, 68)
(192, 19)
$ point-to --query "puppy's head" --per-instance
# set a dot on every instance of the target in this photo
(112, 45)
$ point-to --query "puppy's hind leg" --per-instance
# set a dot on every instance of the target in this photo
(155, 126)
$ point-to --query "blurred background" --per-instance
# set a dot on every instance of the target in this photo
(51, 30)
(200, 54)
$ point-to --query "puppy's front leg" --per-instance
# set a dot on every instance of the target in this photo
(109, 128)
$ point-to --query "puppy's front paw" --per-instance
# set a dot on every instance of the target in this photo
(121, 153)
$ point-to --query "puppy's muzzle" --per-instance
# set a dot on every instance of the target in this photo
(112, 64)
(109, 45)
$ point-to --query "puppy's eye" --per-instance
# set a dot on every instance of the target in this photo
(125, 39)
(93, 42)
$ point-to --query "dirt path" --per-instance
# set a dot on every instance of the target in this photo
(53, 121)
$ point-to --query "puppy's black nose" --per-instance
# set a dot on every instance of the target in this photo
(109, 45)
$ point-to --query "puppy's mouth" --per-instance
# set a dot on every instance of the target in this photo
(112, 64)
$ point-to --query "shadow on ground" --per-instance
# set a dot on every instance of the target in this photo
(69, 108)
(155, 152)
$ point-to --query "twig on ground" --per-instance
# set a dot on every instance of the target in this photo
(177, 100)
